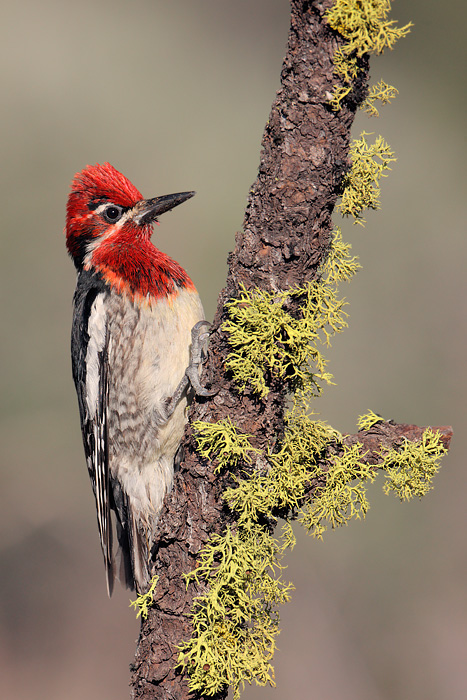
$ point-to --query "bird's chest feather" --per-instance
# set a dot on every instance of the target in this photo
(149, 350)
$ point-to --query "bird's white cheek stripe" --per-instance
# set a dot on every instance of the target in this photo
(96, 331)
(109, 231)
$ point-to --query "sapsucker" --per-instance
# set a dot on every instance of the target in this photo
(134, 310)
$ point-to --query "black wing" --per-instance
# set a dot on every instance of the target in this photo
(89, 351)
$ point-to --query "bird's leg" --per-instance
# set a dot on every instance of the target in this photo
(198, 351)
(198, 354)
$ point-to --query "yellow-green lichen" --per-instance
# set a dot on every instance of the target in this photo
(365, 25)
(269, 340)
(223, 442)
(369, 164)
(235, 619)
(368, 420)
(409, 471)
(235, 624)
(266, 340)
(291, 469)
(381, 92)
(345, 66)
(275, 336)
(343, 496)
(145, 600)
(340, 265)
(338, 94)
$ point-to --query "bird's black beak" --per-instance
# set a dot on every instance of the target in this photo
(148, 210)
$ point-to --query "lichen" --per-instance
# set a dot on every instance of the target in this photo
(343, 495)
(270, 341)
(144, 601)
(235, 618)
(311, 475)
(339, 93)
(381, 92)
(222, 442)
(410, 471)
(272, 335)
(235, 624)
(291, 469)
(345, 66)
(368, 420)
(365, 25)
(340, 265)
(361, 183)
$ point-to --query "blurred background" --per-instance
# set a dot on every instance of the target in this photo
(176, 95)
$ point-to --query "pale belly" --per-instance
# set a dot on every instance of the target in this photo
(149, 351)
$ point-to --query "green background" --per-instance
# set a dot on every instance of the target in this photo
(176, 95)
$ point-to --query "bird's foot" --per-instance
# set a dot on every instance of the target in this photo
(198, 353)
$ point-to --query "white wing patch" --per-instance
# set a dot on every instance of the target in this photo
(96, 332)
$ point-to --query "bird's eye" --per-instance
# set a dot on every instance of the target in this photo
(112, 213)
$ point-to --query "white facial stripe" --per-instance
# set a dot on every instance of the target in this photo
(125, 216)
(111, 229)
(101, 208)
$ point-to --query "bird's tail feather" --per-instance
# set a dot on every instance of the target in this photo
(139, 556)
(125, 568)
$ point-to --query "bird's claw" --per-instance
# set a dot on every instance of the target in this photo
(198, 353)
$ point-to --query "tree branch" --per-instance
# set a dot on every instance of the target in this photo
(285, 238)
(390, 435)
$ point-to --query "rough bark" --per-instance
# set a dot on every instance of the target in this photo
(285, 236)
(392, 435)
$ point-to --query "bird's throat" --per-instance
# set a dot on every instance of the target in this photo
(140, 271)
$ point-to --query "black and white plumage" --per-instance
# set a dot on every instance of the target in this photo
(89, 355)
(134, 311)
(125, 369)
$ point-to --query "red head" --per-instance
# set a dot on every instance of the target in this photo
(109, 226)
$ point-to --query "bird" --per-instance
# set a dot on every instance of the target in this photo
(135, 348)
